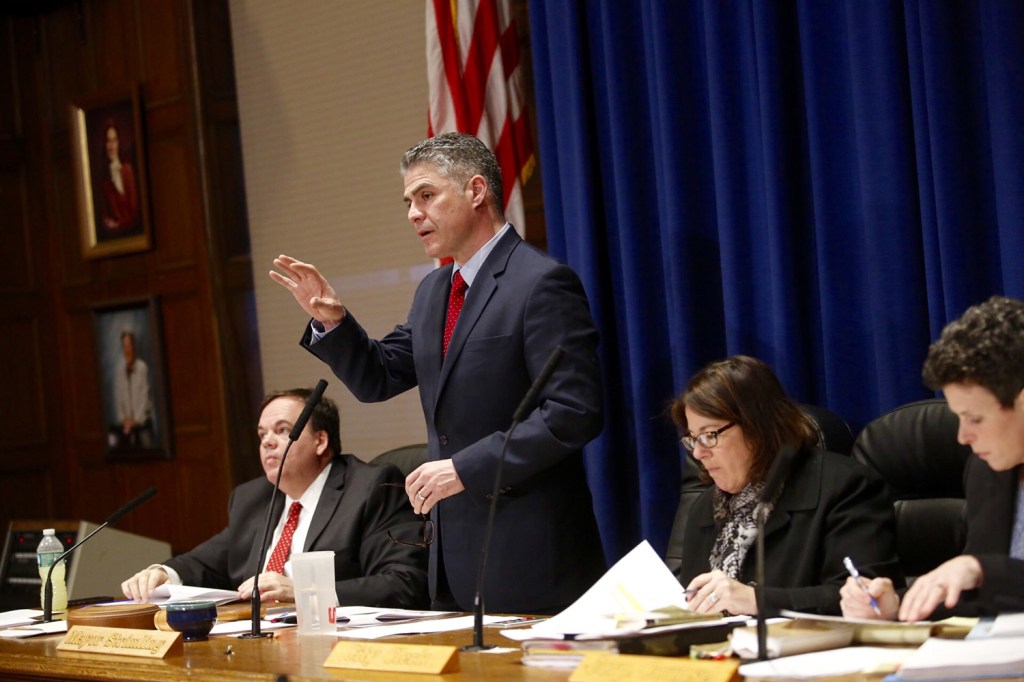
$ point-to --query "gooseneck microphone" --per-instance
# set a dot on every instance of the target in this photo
(48, 585)
(307, 411)
(772, 487)
(525, 405)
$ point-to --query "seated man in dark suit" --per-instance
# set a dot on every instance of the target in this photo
(344, 505)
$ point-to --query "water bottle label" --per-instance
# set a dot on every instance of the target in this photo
(45, 559)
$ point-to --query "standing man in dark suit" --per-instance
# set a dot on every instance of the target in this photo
(358, 510)
(474, 353)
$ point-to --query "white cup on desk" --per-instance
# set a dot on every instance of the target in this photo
(315, 599)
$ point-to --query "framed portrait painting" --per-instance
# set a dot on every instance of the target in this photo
(110, 174)
(132, 389)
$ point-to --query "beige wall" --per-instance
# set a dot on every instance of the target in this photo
(331, 93)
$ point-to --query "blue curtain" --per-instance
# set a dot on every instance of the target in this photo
(821, 184)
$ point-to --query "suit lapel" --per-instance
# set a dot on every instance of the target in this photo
(330, 497)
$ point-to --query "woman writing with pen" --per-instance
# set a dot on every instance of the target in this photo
(978, 363)
(735, 418)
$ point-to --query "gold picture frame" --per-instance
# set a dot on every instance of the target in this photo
(110, 174)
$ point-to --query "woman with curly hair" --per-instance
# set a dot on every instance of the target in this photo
(978, 363)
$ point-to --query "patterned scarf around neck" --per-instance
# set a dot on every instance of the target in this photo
(736, 518)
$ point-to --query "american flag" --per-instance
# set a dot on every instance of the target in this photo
(476, 86)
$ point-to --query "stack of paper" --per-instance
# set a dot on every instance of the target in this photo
(792, 637)
(565, 654)
(965, 659)
(853, 660)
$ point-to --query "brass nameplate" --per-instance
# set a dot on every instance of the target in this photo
(603, 667)
(121, 641)
(434, 659)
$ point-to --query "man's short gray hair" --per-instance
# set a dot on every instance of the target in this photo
(458, 157)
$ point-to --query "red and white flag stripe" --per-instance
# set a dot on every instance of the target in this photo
(476, 86)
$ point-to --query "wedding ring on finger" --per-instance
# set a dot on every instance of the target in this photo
(712, 598)
(420, 496)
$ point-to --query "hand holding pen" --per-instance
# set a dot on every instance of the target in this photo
(855, 574)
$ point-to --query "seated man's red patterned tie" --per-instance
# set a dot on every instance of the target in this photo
(455, 300)
(284, 545)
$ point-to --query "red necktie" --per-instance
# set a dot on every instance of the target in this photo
(284, 544)
(455, 300)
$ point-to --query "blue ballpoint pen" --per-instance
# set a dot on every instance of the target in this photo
(848, 562)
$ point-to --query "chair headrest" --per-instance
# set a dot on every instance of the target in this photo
(914, 448)
(833, 432)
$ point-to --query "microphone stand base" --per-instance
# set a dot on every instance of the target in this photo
(476, 647)
(255, 635)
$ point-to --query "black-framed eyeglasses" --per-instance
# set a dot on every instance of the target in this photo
(708, 439)
(426, 530)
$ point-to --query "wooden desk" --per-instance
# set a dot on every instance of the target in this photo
(299, 658)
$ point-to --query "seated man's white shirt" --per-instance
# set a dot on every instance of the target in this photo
(308, 500)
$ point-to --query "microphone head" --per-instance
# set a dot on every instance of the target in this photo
(307, 411)
(319, 389)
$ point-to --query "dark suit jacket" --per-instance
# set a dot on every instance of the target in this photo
(831, 507)
(352, 518)
(991, 506)
(522, 304)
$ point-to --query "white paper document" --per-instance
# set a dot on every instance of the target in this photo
(965, 659)
(18, 617)
(854, 621)
(171, 593)
(847, 661)
(638, 583)
(16, 628)
(1007, 625)
(366, 616)
(415, 628)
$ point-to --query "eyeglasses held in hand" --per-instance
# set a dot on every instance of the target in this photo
(708, 439)
(426, 531)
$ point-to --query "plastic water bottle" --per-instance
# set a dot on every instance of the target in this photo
(49, 549)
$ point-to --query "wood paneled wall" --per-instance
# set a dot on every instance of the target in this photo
(53, 458)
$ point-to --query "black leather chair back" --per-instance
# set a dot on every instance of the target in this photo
(834, 434)
(914, 448)
(407, 458)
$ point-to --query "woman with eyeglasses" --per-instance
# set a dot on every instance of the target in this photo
(735, 418)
